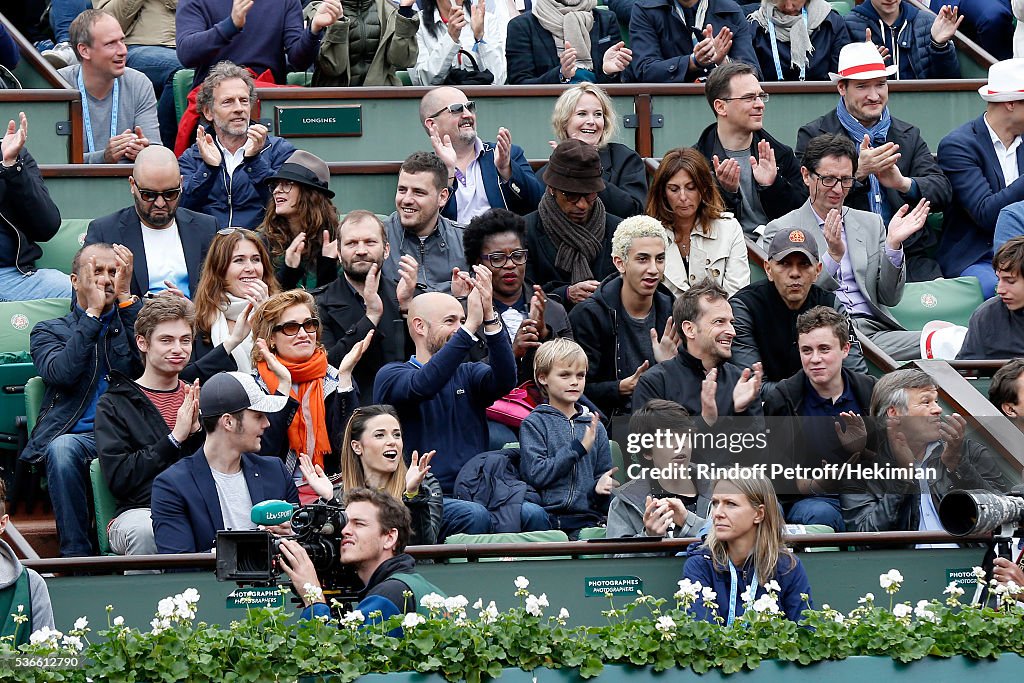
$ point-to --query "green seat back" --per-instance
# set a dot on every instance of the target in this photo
(60, 250)
(17, 318)
(404, 76)
(34, 389)
(552, 536)
(841, 6)
(593, 532)
(105, 505)
(952, 300)
(303, 78)
(182, 87)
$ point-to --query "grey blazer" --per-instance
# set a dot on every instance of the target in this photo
(879, 280)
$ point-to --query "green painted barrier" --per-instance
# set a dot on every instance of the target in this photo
(87, 197)
(46, 146)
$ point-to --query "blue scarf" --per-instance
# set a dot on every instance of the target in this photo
(877, 133)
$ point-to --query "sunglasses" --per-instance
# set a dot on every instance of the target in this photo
(498, 259)
(290, 329)
(575, 197)
(455, 109)
(150, 196)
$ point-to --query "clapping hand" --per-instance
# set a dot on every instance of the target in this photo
(904, 224)
(418, 468)
(315, 477)
(748, 388)
(728, 173)
(616, 59)
(667, 347)
(14, 140)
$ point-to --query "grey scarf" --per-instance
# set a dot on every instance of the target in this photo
(577, 245)
(569, 20)
(791, 29)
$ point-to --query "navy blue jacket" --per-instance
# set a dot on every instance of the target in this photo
(124, 227)
(541, 268)
(531, 55)
(492, 479)
(66, 352)
(828, 39)
(238, 200)
(520, 195)
(968, 159)
(31, 216)
(186, 508)
(791, 577)
(662, 43)
(918, 58)
(442, 403)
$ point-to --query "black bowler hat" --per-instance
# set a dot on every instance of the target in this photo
(305, 169)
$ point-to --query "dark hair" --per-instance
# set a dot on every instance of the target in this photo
(491, 222)
(693, 162)
(80, 31)
(76, 261)
(828, 145)
(1010, 256)
(427, 162)
(360, 215)
(210, 422)
(656, 414)
(719, 83)
(3, 497)
(391, 513)
(1002, 389)
(427, 8)
(823, 316)
(687, 306)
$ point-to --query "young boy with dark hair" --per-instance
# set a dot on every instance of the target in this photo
(564, 448)
(996, 329)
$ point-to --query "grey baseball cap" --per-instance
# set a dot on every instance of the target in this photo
(229, 392)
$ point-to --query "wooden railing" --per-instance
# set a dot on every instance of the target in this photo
(32, 56)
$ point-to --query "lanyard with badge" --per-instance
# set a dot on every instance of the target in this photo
(775, 47)
(733, 587)
(87, 119)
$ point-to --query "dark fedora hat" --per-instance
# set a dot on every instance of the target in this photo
(305, 169)
(574, 166)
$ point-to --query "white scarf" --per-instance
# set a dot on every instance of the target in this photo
(1018, 34)
(219, 331)
(569, 20)
(790, 29)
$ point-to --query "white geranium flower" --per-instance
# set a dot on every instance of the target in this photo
(535, 606)
(688, 590)
(432, 601)
(707, 595)
(773, 585)
(953, 590)
(902, 611)
(867, 599)
(665, 624)
(118, 621)
(353, 618)
(45, 635)
(489, 614)
(165, 608)
(81, 624)
(190, 595)
(159, 625)
(923, 612)
(837, 616)
(766, 604)
(563, 613)
(979, 574)
(748, 594)
(73, 643)
(479, 604)
(891, 581)
(522, 583)
(412, 620)
(455, 603)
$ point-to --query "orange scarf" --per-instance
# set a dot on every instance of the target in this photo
(308, 431)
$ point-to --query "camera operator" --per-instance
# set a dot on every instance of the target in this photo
(373, 543)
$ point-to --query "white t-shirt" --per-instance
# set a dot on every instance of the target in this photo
(234, 498)
(165, 259)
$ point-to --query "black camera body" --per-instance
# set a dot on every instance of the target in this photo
(252, 558)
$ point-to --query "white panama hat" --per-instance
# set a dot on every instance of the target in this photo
(861, 61)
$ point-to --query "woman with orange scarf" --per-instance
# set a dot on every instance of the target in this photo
(321, 397)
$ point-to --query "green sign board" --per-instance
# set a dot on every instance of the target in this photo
(963, 577)
(264, 596)
(340, 120)
(600, 586)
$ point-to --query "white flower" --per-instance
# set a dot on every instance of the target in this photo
(165, 608)
(902, 610)
(489, 614)
(190, 595)
(748, 595)
(45, 635)
(479, 604)
(412, 620)
(81, 624)
(455, 603)
(183, 609)
(979, 574)
(563, 613)
(353, 618)
(432, 602)
(159, 625)
(953, 590)
(118, 621)
(522, 583)
(708, 595)
(837, 616)
(922, 612)
(73, 643)
(773, 585)
(665, 624)
(891, 580)
(867, 599)
(535, 606)
(766, 604)
(688, 590)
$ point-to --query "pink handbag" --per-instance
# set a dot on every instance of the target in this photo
(512, 408)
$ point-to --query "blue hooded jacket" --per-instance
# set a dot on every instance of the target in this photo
(916, 55)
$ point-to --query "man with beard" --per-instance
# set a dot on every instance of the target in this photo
(169, 242)
(442, 398)
(894, 164)
(418, 230)
(481, 175)
(361, 300)
(226, 170)
(700, 377)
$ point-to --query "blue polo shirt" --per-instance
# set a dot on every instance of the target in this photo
(819, 430)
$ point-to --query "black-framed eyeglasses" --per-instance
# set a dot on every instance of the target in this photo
(575, 197)
(831, 180)
(282, 185)
(150, 196)
(455, 109)
(291, 328)
(749, 99)
(498, 259)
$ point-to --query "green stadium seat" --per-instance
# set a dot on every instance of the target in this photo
(841, 6)
(182, 86)
(105, 505)
(552, 536)
(34, 389)
(59, 251)
(404, 76)
(952, 300)
(303, 78)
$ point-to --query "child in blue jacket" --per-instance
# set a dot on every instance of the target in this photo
(564, 450)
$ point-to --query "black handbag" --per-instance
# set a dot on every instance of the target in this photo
(473, 76)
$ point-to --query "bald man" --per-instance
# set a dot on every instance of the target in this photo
(169, 242)
(440, 396)
(481, 175)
